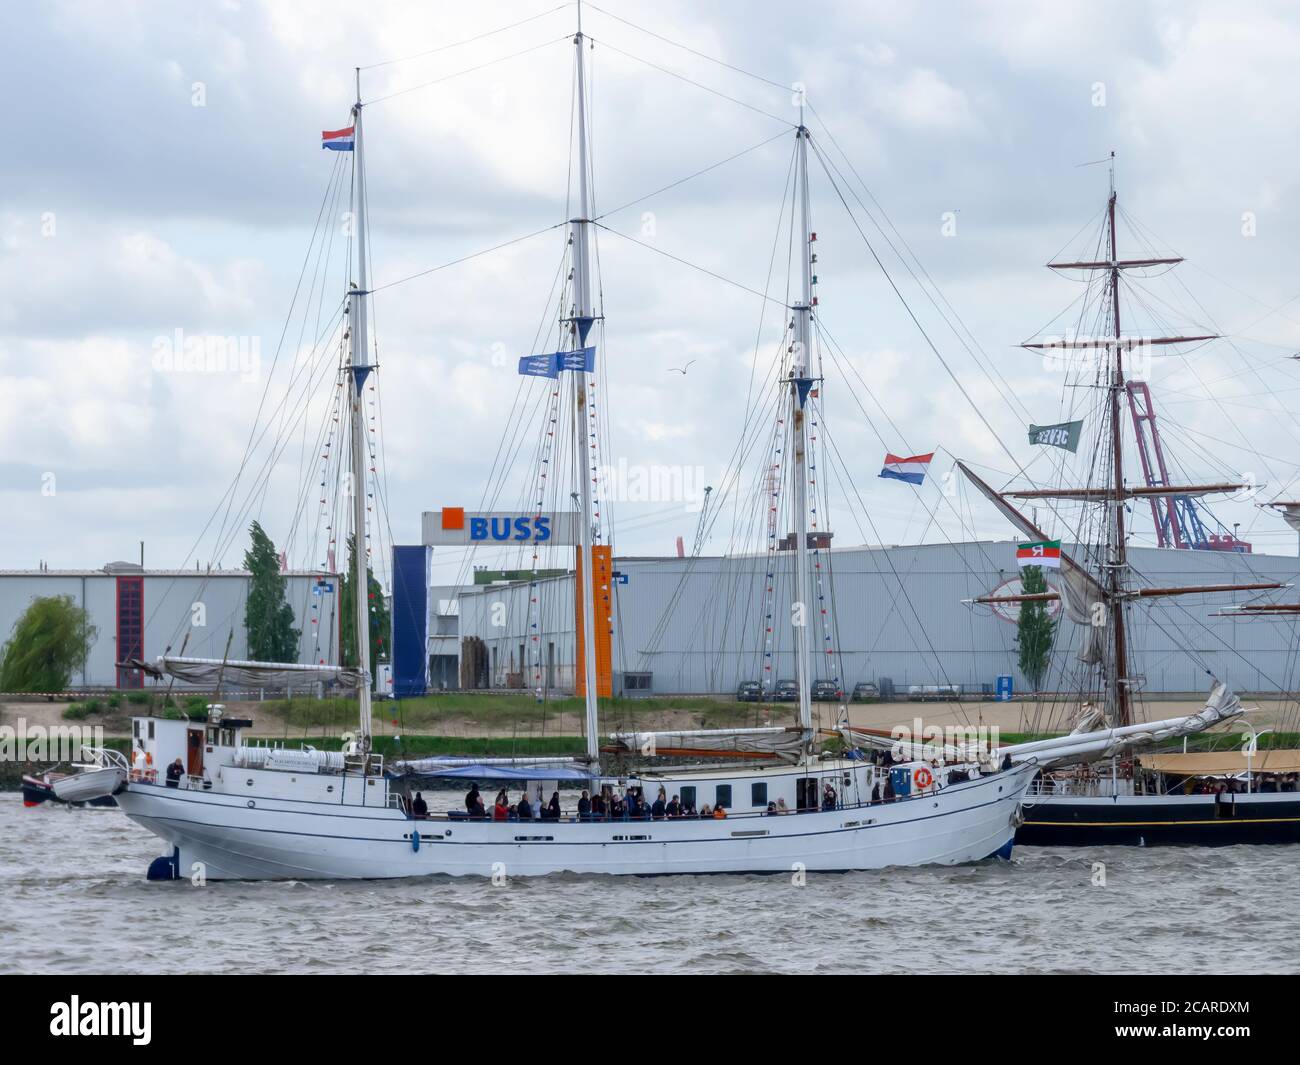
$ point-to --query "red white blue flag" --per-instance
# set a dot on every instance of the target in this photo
(911, 469)
(338, 140)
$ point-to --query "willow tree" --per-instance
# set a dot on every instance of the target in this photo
(1035, 630)
(49, 641)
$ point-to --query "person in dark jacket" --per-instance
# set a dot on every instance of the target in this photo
(888, 793)
(828, 797)
(419, 807)
(553, 807)
(474, 802)
(524, 810)
(598, 807)
(584, 806)
(674, 807)
(174, 773)
(659, 809)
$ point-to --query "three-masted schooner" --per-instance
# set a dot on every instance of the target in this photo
(249, 812)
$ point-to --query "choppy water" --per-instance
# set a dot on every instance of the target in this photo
(73, 898)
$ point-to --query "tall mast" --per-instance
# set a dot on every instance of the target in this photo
(579, 240)
(799, 388)
(1121, 697)
(358, 370)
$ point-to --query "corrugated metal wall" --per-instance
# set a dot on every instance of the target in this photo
(698, 625)
(169, 613)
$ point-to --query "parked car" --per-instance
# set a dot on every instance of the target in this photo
(750, 691)
(786, 691)
(864, 691)
(825, 691)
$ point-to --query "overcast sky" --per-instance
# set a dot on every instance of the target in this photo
(164, 173)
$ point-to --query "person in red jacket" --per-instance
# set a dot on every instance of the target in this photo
(501, 809)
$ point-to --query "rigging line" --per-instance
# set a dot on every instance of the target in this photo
(279, 347)
(467, 40)
(466, 258)
(467, 70)
(687, 48)
(316, 291)
(694, 266)
(753, 407)
(894, 570)
(917, 322)
(965, 329)
(689, 177)
(689, 81)
(231, 489)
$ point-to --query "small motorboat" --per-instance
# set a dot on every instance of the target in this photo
(39, 789)
(93, 782)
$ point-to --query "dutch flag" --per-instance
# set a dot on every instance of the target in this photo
(912, 470)
(338, 140)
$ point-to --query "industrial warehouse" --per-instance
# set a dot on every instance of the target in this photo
(140, 613)
(897, 617)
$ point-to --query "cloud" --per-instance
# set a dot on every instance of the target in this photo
(170, 216)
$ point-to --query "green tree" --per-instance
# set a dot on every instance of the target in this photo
(380, 623)
(268, 619)
(49, 641)
(1035, 630)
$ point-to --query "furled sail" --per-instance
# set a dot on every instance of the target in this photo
(442, 766)
(1080, 590)
(783, 742)
(210, 671)
(1078, 746)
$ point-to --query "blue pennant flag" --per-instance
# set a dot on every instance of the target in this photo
(583, 360)
(539, 366)
(803, 385)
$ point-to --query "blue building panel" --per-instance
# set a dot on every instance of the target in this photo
(410, 621)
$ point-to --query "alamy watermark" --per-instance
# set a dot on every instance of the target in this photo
(55, 743)
(208, 353)
(982, 738)
(626, 482)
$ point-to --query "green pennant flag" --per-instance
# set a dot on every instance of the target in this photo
(1064, 435)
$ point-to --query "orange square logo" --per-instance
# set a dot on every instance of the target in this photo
(453, 517)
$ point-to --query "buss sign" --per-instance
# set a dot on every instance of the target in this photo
(456, 526)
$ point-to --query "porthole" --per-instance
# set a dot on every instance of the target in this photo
(251, 804)
(249, 782)
(329, 787)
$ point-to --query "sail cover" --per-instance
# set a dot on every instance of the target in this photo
(782, 742)
(253, 674)
(494, 769)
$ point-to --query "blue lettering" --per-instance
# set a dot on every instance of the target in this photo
(521, 528)
(478, 528)
(501, 529)
(543, 529)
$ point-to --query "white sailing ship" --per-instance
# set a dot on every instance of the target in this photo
(240, 811)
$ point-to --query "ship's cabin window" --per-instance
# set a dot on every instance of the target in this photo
(722, 797)
(135, 729)
(151, 730)
(758, 795)
(688, 795)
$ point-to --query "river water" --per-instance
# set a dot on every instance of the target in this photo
(73, 898)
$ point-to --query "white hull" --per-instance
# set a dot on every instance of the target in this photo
(92, 784)
(237, 836)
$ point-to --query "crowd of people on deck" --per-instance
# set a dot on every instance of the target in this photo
(608, 804)
(1262, 782)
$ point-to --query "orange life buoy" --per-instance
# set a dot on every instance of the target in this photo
(924, 778)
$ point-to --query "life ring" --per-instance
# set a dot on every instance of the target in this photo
(923, 778)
